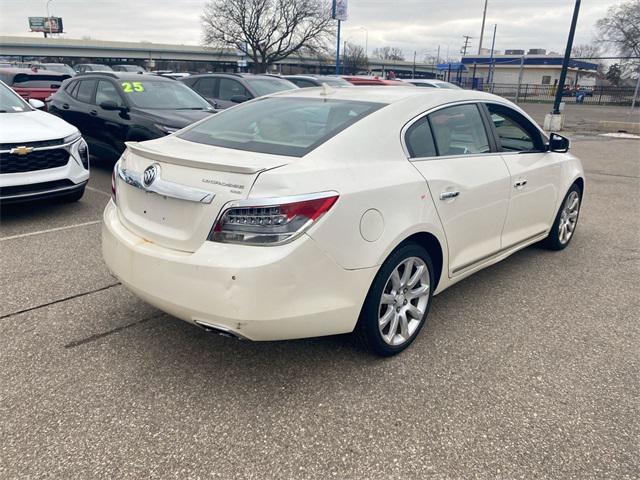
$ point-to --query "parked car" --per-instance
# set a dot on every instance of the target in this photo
(310, 213)
(32, 83)
(40, 155)
(111, 108)
(357, 80)
(176, 75)
(432, 83)
(57, 67)
(129, 68)
(224, 90)
(92, 67)
(304, 81)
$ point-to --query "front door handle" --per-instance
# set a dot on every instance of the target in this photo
(65, 106)
(520, 184)
(447, 195)
(94, 112)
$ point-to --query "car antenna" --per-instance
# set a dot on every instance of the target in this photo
(326, 90)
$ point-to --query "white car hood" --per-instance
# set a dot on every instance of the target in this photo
(32, 126)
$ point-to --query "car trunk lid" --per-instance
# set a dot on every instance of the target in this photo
(192, 184)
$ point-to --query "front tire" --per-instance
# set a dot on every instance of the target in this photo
(397, 305)
(566, 221)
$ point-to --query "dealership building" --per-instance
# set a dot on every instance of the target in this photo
(536, 67)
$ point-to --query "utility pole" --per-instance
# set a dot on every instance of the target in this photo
(491, 60)
(463, 51)
(567, 58)
(338, 51)
(414, 64)
(520, 78)
(484, 17)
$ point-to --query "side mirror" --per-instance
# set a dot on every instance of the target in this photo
(37, 104)
(111, 106)
(558, 143)
(239, 98)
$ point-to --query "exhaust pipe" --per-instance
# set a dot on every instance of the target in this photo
(223, 331)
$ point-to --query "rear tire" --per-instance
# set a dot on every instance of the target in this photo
(566, 221)
(398, 301)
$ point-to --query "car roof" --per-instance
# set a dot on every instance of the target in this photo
(133, 76)
(382, 94)
(28, 71)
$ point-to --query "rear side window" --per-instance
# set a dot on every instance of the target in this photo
(281, 126)
(419, 140)
(23, 80)
(85, 91)
(459, 130)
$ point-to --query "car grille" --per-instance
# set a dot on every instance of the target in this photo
(44, 143)
(35, 188)
(36, 160)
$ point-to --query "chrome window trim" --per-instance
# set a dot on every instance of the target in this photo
(164, 187)
(413, 120)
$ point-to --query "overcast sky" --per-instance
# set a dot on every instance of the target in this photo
(419, 25)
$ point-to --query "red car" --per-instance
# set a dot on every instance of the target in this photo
(374, 81)
(32, 83)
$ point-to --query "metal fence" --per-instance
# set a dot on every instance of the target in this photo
(529, 93)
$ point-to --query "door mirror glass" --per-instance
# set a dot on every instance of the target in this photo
(37, 104)
(239, 98)
(558, 143)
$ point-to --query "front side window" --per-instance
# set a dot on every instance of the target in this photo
(267, 85)
(106, 92)
(459, 130)
(162, 95)
(515, 133)
(281, 126)
(231, 88)
(206, 87)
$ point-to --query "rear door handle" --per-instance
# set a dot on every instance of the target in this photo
(446, 195)
(94, 112)
(520, 184)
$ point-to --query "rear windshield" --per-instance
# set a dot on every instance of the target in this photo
(267, 85)
(23, 80)
(281, 126)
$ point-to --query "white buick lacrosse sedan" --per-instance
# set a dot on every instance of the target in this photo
(318, 211)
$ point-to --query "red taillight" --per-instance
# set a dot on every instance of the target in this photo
(261, 222)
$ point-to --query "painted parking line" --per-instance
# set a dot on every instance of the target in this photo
(98, 191)
(40, 232)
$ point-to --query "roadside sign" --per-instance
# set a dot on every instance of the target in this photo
(46, 24)
(339, 10)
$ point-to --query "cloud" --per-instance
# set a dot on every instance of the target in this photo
(413, 25)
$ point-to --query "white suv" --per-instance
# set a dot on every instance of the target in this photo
(41, 155)
(320, 211)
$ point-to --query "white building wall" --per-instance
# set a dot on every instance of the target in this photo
(532, 75)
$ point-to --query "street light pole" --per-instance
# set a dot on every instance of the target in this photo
(49, 17)
(484, 17)
(567, 58)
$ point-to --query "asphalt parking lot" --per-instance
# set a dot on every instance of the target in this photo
(529, 369)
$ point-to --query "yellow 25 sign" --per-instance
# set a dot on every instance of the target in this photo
(129, 87)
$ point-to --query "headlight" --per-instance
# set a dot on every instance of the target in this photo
(83, 153)
(166, 128)
(72, 138)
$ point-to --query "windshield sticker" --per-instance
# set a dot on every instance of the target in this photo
(130, 87)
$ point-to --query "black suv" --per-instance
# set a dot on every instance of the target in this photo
(223, 90)
(110, 108)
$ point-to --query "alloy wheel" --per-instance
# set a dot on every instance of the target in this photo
(569, 217)
(404, 300)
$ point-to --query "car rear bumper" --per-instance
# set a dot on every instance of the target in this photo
(260, 293)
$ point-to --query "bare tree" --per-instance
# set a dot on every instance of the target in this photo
(621, 30)
(585, 51)
(354, 59)
(268, 31)
(388, 53)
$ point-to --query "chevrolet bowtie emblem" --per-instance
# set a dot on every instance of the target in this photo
(21, 150)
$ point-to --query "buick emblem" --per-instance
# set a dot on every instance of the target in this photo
(150, 174)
